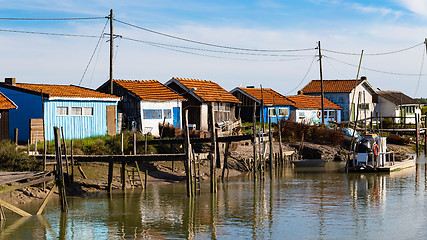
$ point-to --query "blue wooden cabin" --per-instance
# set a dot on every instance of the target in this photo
(80, 111)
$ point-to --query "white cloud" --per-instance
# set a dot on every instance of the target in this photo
(383, 11)
(416, 6)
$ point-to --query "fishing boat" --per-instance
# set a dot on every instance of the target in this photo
(370, 154)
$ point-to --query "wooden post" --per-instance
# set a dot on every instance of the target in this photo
(65, 154)
(16, 136)
(187, 161)
(121, 144)
(134, 143)
(139, 174)
(44, 162)
(110, 175)
(72, 161)
(39, 212)
(213, 148)
(59, 171)
(417, 130)
(123, 174)
(146, 143)
(254, 140)
(425, 141)
(227, 146)
(279, 129)
(2, 216)
(270, 139)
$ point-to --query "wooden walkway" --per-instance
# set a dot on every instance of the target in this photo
(10, 177)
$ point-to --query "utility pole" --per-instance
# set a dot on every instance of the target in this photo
(111, 50)
(321, 83)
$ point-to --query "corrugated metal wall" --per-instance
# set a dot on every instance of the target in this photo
(76, 127)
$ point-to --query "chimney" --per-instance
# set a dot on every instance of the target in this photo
(363, 78)
(10, 81)
(250, 86)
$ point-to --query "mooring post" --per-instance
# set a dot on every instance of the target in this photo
(417, 131)
(134, 143)
(187, 161)
(123, 174)
(44, 162)
(213, 148)
(254, 141)
(72, 161)
(110, 175)
(225, 165)
(270, 140)
(59, 171)
(65, 154)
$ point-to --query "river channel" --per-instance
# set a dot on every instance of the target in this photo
(311, 203)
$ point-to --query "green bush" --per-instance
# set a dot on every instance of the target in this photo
(12, 159)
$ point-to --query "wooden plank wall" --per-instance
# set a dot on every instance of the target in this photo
(4, 124)
(36, 130)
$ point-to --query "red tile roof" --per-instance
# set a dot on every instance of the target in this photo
(331, 86)
(208, 90)
(150, 90)
(268, 95)
(312, 102)
(6, 103)
(64, 91)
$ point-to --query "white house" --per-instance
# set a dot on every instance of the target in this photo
(146, 104)
(397, 104)
(347, 94)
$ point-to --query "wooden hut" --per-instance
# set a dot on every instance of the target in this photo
(5, 105)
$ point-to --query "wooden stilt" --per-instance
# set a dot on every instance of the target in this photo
(81, 172)
(255, 166)
(110, 175)
(187, 161)
(44, 162)
(123, 174)
(2, 216)
(39, 212)
(213, 148)
(59, 172)
(227, 146)
(270, 140)
(66, 157)
(146, 177)
(72, 162)
(139, 174)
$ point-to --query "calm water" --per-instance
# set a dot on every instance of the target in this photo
(310, 204)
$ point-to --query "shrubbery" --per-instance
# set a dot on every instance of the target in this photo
(12, 159)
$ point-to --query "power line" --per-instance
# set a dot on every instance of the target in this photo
(374, 70)
(48, 33)
(308, 70)
(419, 77)
(219, 57)
(215, 51)
(374, 54)
(210, 44)
(52, 19)
(93, 53)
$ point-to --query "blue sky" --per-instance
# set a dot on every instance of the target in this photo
(340, 25)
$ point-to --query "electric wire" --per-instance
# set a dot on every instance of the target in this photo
(215, 51)
(52, 19)
(211, 44)
(374, 70)
(419, 77)
(49, 33)
(308, 70)
(374, 54)
(228, 58)
(93, 53)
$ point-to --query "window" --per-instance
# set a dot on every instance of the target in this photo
(325, 114)
(76, 111)
(62, 111)
(301, 115)
(222, 107)
(364, 106)
(152, 113)
(88, 111)
(332, 114)
(283, 112)
(167, 113)
(271, 112)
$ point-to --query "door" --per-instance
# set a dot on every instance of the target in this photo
(176, 117)
(111, 119)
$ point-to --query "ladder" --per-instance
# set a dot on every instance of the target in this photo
(133, 178)
(196, 168)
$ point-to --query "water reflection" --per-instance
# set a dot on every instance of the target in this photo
(321, 203)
